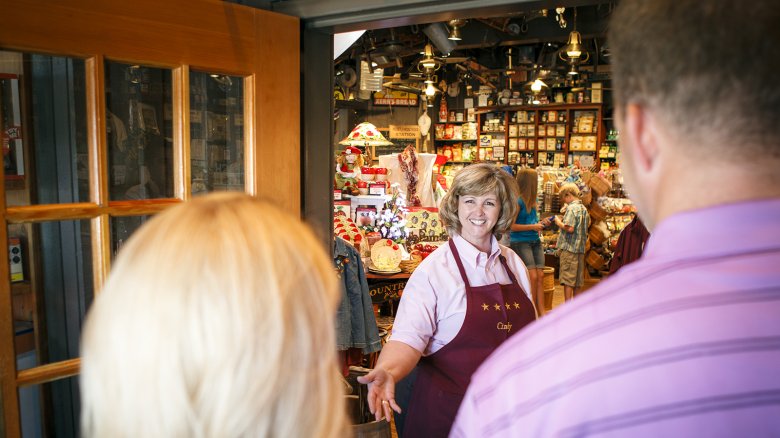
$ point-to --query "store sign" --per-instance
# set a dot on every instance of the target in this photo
(406, 132)
(394, 97)
(386, 290)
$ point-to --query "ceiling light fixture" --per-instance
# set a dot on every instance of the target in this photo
(430, 90)
(455, 26)
(428, 62)
(538, 85)
(575, 54)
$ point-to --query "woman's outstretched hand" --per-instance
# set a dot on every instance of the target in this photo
(381, 393)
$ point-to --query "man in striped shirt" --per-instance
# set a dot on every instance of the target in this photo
(686, 340)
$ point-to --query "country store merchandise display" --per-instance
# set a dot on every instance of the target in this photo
(393, 237)
(602, 195)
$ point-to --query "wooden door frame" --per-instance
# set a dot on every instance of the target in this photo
(213, 36)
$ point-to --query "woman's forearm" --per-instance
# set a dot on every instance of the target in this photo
(398, 359)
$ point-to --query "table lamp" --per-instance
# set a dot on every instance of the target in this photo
(366, 134)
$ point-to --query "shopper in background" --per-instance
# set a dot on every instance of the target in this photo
(685, 341)
(461, 302)
(571, 240)
(216, 320)
(524, 238)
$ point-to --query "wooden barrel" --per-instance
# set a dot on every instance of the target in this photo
(548, 285)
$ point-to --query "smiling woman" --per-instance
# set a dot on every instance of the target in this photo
(478, 215)
(460, 304)
(479, 181)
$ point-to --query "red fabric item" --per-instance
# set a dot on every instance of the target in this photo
(630, 244)
(350, 357)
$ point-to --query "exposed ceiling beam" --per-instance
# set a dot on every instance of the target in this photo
(346, 15)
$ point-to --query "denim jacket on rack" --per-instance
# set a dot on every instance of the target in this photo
(355, 322)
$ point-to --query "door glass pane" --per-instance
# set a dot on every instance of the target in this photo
(51, 284)
(216, 132)
(49, 409)
(44, 129)
(122, 228)
(139, 129)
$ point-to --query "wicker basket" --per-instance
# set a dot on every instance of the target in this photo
(599, 185)
(548, 286)
(587, 198)
(595, 236)
(408, 266)
(597, 213)
(594, 260)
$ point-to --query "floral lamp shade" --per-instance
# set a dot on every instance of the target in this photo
(365, 134)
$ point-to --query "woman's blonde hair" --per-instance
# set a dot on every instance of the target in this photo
(478, 180)
(528, 184)
(216, 320)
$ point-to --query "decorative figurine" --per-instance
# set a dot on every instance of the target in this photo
(348, 166)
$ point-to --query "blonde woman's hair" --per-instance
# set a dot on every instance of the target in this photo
(569, 189)
(528, 184)
(216, 320)
(478, 180)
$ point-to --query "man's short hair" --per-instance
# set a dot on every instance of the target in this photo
(709, 68)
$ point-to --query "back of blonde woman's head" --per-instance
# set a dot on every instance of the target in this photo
(216, 320)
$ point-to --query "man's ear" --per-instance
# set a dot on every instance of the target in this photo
(641, 128)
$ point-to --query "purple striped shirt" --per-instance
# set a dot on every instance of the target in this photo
(683, 342)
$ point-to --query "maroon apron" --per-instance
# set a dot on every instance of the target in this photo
(494, 312)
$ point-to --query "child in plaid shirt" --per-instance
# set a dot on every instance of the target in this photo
(571, 240)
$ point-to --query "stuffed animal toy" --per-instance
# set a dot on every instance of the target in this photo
(348, 166)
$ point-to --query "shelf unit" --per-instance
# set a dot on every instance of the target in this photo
(457, 140)
(553, 135)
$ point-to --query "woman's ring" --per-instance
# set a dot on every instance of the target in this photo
(385, 402)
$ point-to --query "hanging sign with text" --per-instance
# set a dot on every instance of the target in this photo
(395, 97)
(405, 132)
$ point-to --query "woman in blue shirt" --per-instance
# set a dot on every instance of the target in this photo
(524, 237)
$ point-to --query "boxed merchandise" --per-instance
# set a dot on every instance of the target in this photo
(576, 143)
(424, 222)
(585, 124)
(589, 143)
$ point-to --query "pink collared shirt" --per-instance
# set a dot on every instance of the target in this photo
(433, 305)
(683, 342)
